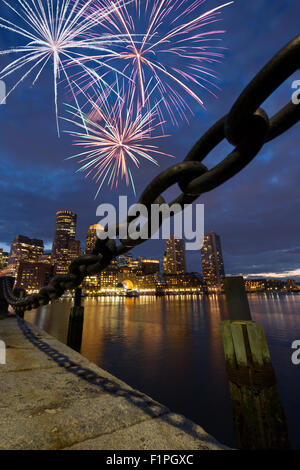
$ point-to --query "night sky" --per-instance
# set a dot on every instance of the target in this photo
(256, 213)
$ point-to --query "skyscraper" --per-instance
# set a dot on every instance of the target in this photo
(3, 258)
(174, 262)
(212, 262)
(65, 247)
(149, 265)
(32, 276)
(124, 260)
(91, 237)
(24, 249)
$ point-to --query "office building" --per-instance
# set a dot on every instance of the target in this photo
(149, 265)
(174, 262)
(24, 249)
(65, 248)
(33, 276)
(212, 262)
(91, 237)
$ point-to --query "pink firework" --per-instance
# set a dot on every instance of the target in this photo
(56, 32)
(115, 136)
(171, 43)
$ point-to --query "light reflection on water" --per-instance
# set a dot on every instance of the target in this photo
(170, 348)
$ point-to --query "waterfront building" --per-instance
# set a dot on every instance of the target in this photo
(124, 260)
(165, 262)
(175, 256)
(110, 281)
(274, 285)
(91, 237)
(74, 247)
(269, 285)
(3, 258)
(292, 286)
(45, 258)
(32, 276)
(212, 262)
(183, 283)
(255, 285)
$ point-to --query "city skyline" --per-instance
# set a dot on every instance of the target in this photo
(28, 261)
(64, 247)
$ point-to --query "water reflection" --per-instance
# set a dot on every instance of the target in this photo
(170, 348)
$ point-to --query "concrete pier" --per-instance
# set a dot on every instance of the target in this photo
(51, 397)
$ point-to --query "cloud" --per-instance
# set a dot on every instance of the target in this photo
(295, 273)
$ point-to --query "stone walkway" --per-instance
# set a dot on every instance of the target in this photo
(73, 404)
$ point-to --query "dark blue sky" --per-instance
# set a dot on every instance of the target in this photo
(256, 213)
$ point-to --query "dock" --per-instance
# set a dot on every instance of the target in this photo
(52, 398)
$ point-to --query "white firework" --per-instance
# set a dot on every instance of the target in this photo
(56, 31)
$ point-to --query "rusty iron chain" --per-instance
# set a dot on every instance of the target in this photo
(247, 127)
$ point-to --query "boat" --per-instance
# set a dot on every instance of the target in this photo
(132, 293)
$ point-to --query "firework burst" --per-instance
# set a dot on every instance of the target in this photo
(56, 31)
(170, 42)
(115, 136)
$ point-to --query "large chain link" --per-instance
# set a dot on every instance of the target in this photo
(246, 126)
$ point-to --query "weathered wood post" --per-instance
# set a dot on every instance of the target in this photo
(258, 415)
(76, 322)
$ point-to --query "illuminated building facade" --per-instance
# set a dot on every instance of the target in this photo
(3, 258)
(91, 238)
(274, 285)
(124, 260)
(255, 285)
(65, 248)
(165, 262)
(175, 256)
(45, 258)
(212, 262)
(110, 281)
(24, 249)
(292, 286)
(268, 285)
(183, 283)
(74, 247)
(33, 276)
(149, 265)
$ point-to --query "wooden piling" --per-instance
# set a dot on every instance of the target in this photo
(76, 320)
(259, 418)
(236, 298)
